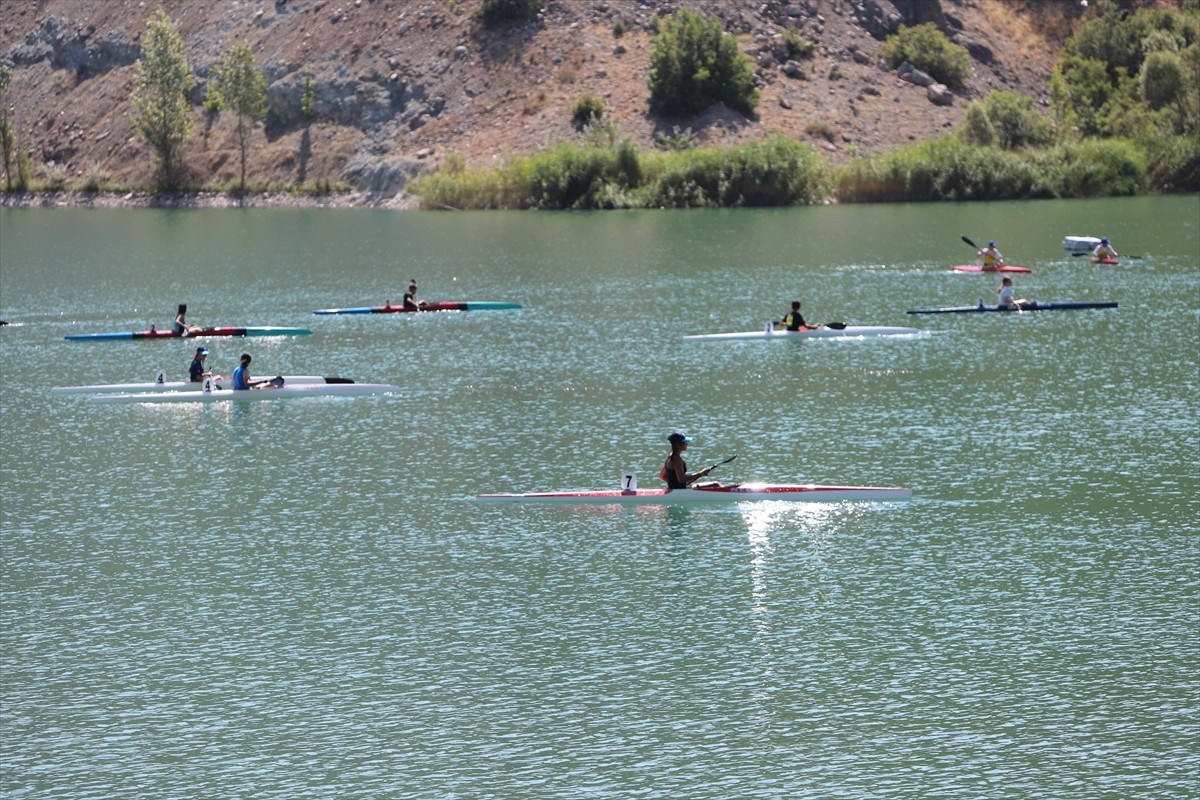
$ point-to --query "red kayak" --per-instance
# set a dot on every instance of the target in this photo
(977, 268)
(1110, 261)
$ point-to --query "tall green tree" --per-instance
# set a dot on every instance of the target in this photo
(241, 87)
(162, 112)
(8, 135)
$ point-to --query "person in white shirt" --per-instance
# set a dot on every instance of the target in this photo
(1005, 298)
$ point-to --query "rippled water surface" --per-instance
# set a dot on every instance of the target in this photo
(302, 598)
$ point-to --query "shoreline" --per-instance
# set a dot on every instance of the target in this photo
(205, 199)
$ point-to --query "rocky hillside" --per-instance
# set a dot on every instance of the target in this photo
(400, 84)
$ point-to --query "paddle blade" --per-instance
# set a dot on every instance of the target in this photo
(968, 241)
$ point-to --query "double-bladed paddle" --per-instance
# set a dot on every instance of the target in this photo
(714, 466)
(968, 241)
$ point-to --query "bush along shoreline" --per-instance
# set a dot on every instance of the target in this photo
(774, 172)
(782, 172)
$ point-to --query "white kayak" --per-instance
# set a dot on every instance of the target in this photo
(160, 385)
(734, 493)
(822, 332)
(1080, 244)
(284, 392)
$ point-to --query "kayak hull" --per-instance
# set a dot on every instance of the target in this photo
(1108, 262)
(262, 330)
(180, 386)
(1080, 244)
(473, 305)
(815, 333)
(1006, 268)
(1069, 305)
(229, 395)
(739, 493)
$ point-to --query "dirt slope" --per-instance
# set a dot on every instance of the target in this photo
(400, 85)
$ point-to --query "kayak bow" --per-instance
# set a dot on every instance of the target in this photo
(473, 305)
(264, 330)
(738, 493)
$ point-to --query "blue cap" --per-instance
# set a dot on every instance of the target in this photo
(1104, 240)
(991, 244)
(201, 351)
(679, 436)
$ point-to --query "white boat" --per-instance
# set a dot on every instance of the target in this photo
(160, 384)
(215, 395)
(769, 331)
(1080, 244)
(734, 493)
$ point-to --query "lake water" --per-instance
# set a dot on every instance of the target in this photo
(302, 599)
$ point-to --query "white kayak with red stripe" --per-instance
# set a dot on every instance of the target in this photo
(287, 391)
(831, 331)
(733, 493)
(160, 384)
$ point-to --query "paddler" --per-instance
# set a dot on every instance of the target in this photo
(793, 320)
(990, 257)
(411, 303)
(180, 325)
(196, 372)
(674, 470)
(242, 379)
(1104, 250)
(1005, 292)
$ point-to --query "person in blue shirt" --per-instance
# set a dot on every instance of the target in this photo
(242, 379)
(196, 372)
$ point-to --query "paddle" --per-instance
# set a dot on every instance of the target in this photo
(968, 241)
(714, 466)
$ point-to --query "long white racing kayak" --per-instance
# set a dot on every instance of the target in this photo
(159, 386)
(287, 391)
(735, 493)
(823, 332)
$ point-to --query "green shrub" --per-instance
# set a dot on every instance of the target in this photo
(497, 12)
(1172, 163)
(1012, 119)
(694, 64)
(927, 49)
(619, 27)
(977, 126)
(797, 46)
(774, 172)
(821, 129)
(1161, 78)
(1102, 168)
(947, 168)
(587, 109)
(677, 139)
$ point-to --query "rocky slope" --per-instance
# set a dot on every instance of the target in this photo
(401, 84)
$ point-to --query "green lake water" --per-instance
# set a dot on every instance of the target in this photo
(302, 599)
